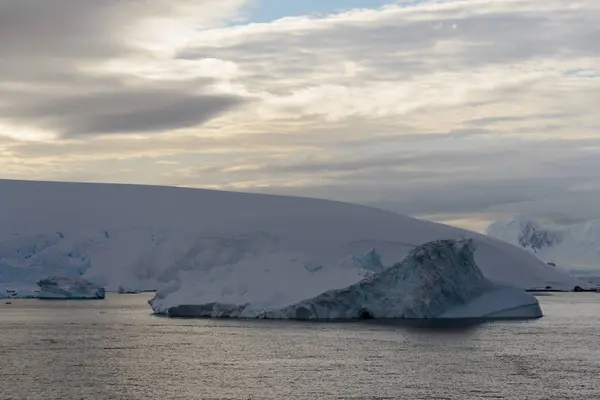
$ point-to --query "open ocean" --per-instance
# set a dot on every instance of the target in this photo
(115, 349)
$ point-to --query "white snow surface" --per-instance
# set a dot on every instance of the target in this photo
(436, 280)
(572, 248)
(203, 245)
(69, 288)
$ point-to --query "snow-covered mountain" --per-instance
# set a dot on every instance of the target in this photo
(574, 248)
(144, 237)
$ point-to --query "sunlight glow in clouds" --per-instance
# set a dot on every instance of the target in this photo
(455, 110)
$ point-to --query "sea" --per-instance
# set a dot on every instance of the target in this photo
(116, 349)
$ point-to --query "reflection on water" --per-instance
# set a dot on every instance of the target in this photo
(114, 349)
(434, 325)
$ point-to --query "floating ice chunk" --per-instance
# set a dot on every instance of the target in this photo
(69, 288)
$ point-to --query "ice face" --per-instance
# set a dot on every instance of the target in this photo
(370, 261)
(437, 280)
(69, 288)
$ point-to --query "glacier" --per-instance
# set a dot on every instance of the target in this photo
(571, 248)
(56, 288)
(436, 280)
(222, 246)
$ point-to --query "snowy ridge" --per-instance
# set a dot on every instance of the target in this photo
(573, 248)
(145, 237)
(527, 233)
(436, 280)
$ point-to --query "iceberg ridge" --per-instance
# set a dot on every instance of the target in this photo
(439, 279)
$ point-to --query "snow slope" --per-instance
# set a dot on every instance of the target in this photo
(574, 248)
(436, 280)
(143, 237)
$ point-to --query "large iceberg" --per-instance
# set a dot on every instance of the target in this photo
(69, 289)
(436, 280)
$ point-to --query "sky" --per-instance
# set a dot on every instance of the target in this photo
(459, 111)
(270, 10)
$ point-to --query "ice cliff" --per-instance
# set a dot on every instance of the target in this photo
(69, 289)
(436, 280)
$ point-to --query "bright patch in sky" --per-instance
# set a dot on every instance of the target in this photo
(269, 10)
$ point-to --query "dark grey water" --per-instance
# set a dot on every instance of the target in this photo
(114, 349)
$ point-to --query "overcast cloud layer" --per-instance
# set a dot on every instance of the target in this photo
(459, 111)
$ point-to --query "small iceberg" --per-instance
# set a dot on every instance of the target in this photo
(124, 290)
(438, 280)
(58, 288)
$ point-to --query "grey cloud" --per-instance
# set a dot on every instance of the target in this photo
(460, 197)
(541, 179)
(47, 48)
(455, 195)
(401, 48)
(60, 27)
(513, 118)
(416, 198)
(373, 161)
(561, 207)
(351, 140)
(436, 164)
(138, 110)
(173, 113)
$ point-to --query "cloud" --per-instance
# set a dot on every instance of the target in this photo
(121, 110)
(454, 110)
(480, 57)
(58, 75)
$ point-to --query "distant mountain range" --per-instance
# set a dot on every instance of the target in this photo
(573, 248)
